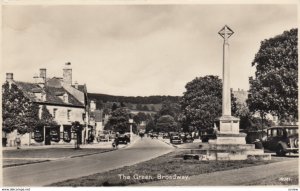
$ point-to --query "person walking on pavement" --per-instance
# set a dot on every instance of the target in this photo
(18, 141)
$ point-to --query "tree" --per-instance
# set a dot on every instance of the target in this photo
(46, 118)
(145, 108)
(122, 104)
(139, 107)
(201, 104)
(18, 112)
(169, 108)
(274, 89)
(118, 120)
(166, 123)
(114, 107)
(138, 118)
(150, 126)
(153, 108)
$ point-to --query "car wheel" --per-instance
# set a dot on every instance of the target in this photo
(280, 151)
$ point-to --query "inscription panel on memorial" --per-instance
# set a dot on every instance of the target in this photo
(225, 127)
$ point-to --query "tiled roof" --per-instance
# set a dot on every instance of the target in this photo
(53, 94)
(80, 88)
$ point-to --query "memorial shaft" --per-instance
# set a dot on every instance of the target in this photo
(226, 97)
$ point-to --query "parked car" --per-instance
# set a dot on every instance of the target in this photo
(188, 138)
(208, 134)
(112, 135)
(282, 140)
(122, 139)
(254, 135)
(154, 135)
(175, 139)
(166, 136)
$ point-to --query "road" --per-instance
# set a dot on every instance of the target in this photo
(42, 174)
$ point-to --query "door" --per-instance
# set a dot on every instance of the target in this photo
(47, 136)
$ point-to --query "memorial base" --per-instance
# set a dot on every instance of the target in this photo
(229, 145)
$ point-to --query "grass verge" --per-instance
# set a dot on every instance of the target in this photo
(282, 179)
(168, 164)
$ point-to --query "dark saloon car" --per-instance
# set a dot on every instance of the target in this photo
(154, 135)
(166, 136)
(282, 139)
(175, 139)
(208, 134)
(188, 138)
(122, 139)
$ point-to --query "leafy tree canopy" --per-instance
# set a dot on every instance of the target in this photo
(118, 120)
(274, 89)
(18, 112)
(46, 118)
(201, 104)
(166, 123)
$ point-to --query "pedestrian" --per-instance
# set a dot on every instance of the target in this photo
(18, 141)
(115, 143)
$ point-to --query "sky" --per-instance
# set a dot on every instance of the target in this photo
(137, 50)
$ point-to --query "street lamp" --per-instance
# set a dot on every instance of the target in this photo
(131, 122)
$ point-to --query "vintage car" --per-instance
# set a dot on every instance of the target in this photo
(282, 140)
(166, 136)
(188, 138)
(175, 139)
(102, 137)
(112, 135)
(122, 139)
(154, 135)
(208, 134)
(254, 135)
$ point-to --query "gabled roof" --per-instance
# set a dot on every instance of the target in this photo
(53, 94)
(80, 88)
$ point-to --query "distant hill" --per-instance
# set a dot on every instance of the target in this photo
(133, 100)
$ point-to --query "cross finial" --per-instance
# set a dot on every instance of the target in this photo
(226, 32)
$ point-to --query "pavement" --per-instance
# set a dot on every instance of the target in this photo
(41, 174)
(102, 145)
(241, 176)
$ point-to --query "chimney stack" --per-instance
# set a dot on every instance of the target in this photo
(93, 105)
(67, 74)
(76, 85)
(9, 76)
(43, 74)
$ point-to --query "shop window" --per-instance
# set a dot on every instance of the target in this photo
(54, 133)
(39, 134)
(69, 114)
(67, 134)
(54, 112)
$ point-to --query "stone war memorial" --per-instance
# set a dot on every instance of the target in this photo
(230, 144)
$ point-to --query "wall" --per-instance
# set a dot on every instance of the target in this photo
(62, 113)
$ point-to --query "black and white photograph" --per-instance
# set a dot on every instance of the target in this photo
(149, 94)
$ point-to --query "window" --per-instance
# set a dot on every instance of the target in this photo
(54, 112)
(269, 132)
(274, 132)
(65, 98)
(69, 114)
(279, 132)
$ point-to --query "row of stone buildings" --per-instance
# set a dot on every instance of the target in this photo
(67, 102)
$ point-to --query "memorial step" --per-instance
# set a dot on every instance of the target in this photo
(226, 146)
